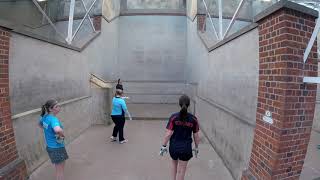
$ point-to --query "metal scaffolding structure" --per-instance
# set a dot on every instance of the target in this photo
(71, 34)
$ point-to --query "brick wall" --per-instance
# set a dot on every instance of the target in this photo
(279, 149)
(201, 19)
(97, 23)
(8, 150)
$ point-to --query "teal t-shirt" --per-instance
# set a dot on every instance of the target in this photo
(118, 105)
(48, 122)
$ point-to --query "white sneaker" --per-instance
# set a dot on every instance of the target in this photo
(113, 139)
(124, 141)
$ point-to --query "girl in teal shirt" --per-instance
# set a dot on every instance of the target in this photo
(53, 132)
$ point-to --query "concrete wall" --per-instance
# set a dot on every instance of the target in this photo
(227, 94)
(53, 71)
(316, 121)
(110, 9)
(152, 55)
(156, 4)
(100, 107)
(191, 8)
(39, 71)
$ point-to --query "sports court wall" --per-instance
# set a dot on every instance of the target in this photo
(39, 71)
(226, 96)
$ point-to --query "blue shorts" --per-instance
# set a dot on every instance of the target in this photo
(57, 155)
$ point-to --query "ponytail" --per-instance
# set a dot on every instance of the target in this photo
(49, 104)
(43, 110)
(184, 103)
(183, 112)
(119, 86)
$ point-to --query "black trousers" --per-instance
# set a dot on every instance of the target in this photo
(119, 122)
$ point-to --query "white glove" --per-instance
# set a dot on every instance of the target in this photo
(59, 139)
(163, 150)
(196, 152)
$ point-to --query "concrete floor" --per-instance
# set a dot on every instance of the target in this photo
(94, 157)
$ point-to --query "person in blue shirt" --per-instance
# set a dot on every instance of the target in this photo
(54, 136)
(180, 128)
(119, 108)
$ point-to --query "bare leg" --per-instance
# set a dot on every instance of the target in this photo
(174, 169)
(181, 171)
(60, 171)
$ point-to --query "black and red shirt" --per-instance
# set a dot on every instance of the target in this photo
(182, 128)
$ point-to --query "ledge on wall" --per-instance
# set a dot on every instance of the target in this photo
(163, 12)
(100, 82)
(212, 45)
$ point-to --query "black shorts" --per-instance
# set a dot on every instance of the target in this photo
(178, 154)
(57, 155)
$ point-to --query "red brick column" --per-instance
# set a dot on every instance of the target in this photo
(279, 149)
(97, 23)
(201, 19)
(10, 165)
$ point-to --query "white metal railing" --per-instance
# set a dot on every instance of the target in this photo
(70, 35)
(309, 47)
(222, 35)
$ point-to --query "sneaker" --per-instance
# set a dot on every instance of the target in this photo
(124, 141)
(113, 139)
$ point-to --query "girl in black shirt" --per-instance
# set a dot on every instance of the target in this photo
(180, 128)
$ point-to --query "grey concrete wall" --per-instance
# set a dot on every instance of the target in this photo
(39, 70)
(227, 94)
(110, 9)
(152, 55)
(100, 108)
(154, 92)
(156, 4)
(191, 8)
(316, 121)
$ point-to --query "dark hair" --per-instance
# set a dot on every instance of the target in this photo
(119, 86)
(184, 102)
(118, 92)
(49, 104)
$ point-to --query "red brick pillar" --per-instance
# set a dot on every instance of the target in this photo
(11, 167)
(201, 19)
(97, 23)
(279, 149)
